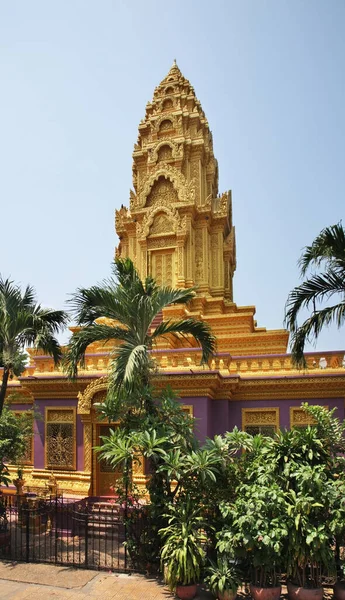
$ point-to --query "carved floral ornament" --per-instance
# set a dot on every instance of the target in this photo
(186, 192)
(176, 224)
(176, 148)
(155, 122)
(85, 398)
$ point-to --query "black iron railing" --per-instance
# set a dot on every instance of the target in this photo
(87, 533)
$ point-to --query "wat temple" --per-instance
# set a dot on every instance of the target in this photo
(177, 227)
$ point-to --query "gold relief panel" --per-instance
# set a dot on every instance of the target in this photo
(59, 415)
(162, 242)
(300, 418)
(260, 416)
(163, 192)
(161, 224)
(60, 438)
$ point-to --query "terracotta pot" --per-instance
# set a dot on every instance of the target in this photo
(186, 592)
(227, 595)
(300, 593)
(339, 590)
(265, 593)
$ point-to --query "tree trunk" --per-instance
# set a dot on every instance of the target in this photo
(3, 388)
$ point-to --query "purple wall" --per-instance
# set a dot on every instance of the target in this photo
(39, 429)
(235, 412)
(214, 417)
(202, 411)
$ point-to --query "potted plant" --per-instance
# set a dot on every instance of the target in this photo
(312, 523)
(223, 578)
(339, 586)
(182, 554)
(255, 532)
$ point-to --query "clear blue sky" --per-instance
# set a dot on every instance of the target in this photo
(75, 78)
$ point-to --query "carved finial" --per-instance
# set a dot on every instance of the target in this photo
(174, 63)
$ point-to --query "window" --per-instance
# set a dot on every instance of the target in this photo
(60, 441)
(300, 418)
(260, 420)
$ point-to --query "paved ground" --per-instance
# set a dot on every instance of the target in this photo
(22, 581)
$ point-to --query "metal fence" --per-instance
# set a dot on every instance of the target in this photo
(85, 533)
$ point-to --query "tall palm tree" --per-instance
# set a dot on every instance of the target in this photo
(327, 253)
(131, 305)
(23, 323)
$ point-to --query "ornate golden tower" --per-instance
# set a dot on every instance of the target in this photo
(178, 228)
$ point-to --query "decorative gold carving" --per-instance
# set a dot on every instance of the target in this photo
(164, 153)
(166, 172)
(165, 125)
(162, 193)
(85, 398)
(260, 416)
(167, 104)
(199, 271)
(161, 224)
(172, 215)
(60, 415)
(300, 418)
(87, 446)
(161, 242)
(162, 268)
(60, 438)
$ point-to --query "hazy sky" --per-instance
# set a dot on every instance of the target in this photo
(75, 77)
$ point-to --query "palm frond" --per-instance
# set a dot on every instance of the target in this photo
(165, 296)
(313, 327)
(318, 287)
(82, 339)
(199, 330)
(328, 246)
(131, 365)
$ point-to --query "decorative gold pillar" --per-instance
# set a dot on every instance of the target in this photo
(180, 263)
(87, 423)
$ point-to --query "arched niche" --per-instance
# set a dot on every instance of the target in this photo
(162, 192)
(164, 153)
(167, 104)
(166, 125)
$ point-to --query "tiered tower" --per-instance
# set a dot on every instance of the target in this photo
(178, 228)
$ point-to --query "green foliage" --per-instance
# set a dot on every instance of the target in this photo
(182, 555)
(15, 432)
(24, 323)
(328, 252)
(222, 576)
(131, 305)
(255, 530)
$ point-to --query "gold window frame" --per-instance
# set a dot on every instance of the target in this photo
(305, 419)
(188, 408)
(74, 423)
(260, 421)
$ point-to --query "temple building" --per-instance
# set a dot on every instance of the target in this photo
(178, 228)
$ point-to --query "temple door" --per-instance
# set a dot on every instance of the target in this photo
(106, 476)
(163, 267)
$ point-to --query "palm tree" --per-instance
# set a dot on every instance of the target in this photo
(23, 323)
(327, 252)
(131, 306)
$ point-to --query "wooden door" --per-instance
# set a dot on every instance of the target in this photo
(106, 476)
(163, 267)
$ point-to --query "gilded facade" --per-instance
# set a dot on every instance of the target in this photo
(178, 228)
